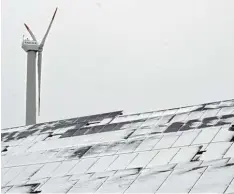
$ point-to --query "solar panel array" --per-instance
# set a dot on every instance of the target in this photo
(187, 150)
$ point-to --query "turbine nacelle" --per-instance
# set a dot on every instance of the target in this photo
(30, 45)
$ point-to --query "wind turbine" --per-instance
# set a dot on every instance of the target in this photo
(33, 48)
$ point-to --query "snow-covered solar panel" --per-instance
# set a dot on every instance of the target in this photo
(185, 150)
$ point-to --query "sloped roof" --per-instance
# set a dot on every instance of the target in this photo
(187, 149)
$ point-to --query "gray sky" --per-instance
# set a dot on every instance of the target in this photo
(107, 55)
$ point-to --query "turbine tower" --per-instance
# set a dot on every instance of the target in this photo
(33, 48)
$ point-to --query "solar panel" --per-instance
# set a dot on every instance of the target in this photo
(186, 150)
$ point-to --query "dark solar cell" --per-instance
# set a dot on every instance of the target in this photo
(81, 131)
(92, 118)
(220, 123)
(99, 129)
(48, 126)
(191, 124)
(103, 116)
(72, 152)
(113, 148)
(96, 149)
(130, 146)
(136, 121)
(79, 152)
(71, 132)
(11, 136)
(87, 118)
(227, 116)
(99, 116)
(24, 134)
(174, 127)
(199, 109)
(94, 129)
(110, 127)
(81, 119)
(38, 126)
(69, 121)
(46, 130)
(110, 114)
(207, 122)
(3, 135)
(64, 153)
(116, 113)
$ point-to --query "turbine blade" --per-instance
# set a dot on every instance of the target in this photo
(39, 59)
(47, 32)
(30, 32)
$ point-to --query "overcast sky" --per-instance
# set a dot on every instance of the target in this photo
(107, 55)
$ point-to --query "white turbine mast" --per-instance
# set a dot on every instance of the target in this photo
(32, 48)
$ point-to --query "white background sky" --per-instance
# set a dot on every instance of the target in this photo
(107, 55)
